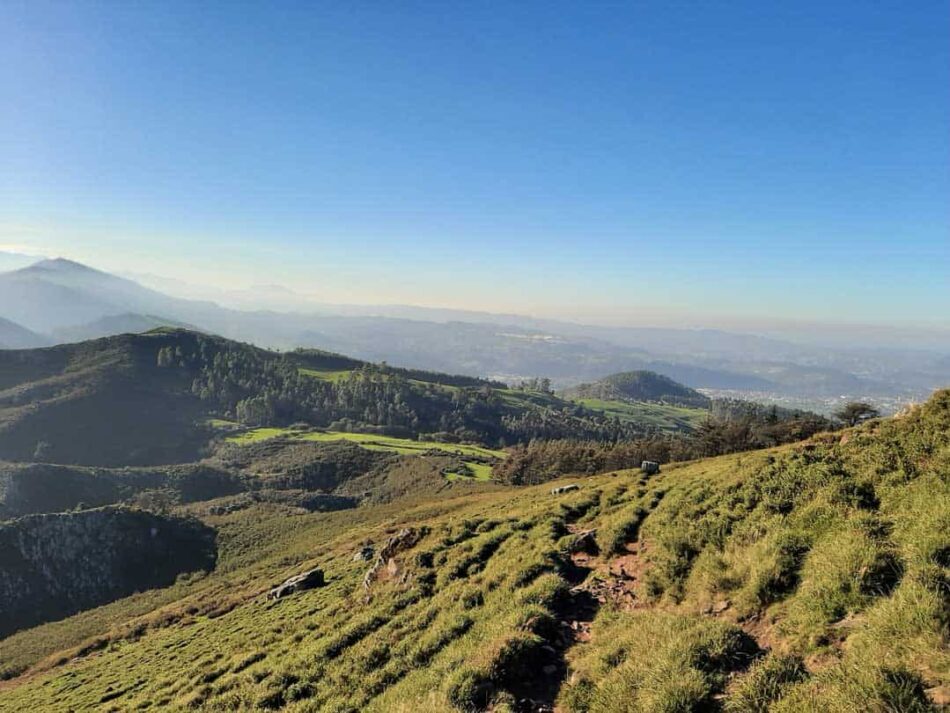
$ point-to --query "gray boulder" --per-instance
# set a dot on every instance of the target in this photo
(310, 579)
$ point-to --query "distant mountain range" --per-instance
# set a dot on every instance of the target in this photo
(13, 336)
(58, 300)
(14, 261)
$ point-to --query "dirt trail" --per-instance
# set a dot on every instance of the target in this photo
(596, 581)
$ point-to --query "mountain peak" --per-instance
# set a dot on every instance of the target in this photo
(62, 265)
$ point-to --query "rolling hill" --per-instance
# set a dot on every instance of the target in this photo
(97, 403)
(174, 416)
(147, 399)
(64, 300)
(807, 578)
(128, 323)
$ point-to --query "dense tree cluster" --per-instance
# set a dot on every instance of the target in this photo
(569, 421)
(261, 388)
(541, 384)
(538, 461)
(752, 426)
(738, 408)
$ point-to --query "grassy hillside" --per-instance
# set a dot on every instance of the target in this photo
(290, 466)
(662, 417)
(370, 441)
(811, 577)
(468, 461)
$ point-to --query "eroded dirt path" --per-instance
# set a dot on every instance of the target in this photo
(596, 581)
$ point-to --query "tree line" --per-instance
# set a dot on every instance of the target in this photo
(539, 461)
(262, 388)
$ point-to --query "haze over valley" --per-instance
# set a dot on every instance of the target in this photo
(57, 300)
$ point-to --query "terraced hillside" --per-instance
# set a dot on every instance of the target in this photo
(811, 577)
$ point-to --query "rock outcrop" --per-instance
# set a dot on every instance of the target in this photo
(405, 539)
(52, 566)
(311, 579)
(650, 467)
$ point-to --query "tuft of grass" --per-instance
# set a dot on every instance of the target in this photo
(689, 661)
(767, 680)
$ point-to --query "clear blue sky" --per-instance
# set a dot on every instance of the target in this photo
(641, 158)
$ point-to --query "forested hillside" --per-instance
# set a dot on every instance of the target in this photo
(146, 399)
(647, 386)
(811, 577)
(173, 417)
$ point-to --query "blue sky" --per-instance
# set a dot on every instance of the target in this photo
(635, 161)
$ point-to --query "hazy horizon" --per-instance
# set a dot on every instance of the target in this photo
(281, 299)
(691, 165)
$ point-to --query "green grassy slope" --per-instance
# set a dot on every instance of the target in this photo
(473, 462)
(810, 577)
(663, 417)
(405, 446)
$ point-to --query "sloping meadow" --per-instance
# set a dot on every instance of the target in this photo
(809, 577)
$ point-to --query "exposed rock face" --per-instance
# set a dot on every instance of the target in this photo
(300, 583)
(564, 489)
(52, 566)
(405, 539)
(364, 554)
(32, 488)
(585, 541)
(650, 467)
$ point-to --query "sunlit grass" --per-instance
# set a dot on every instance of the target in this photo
(371, 441)
(661, 416)
(257, 434)
(805, 578)
(332, 375)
